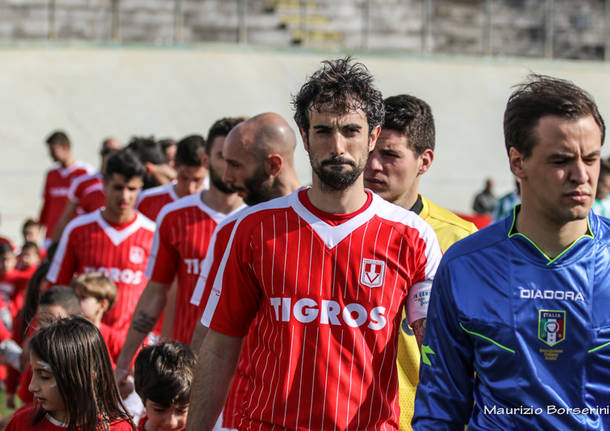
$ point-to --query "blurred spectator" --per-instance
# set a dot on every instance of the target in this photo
(504, 206)
(485, 201)
(601, 205)
(31, 231)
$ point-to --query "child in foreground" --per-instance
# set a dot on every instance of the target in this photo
(163, 376)
(72, 382)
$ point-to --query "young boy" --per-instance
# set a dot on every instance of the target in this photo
(163, 377)
(97, 293)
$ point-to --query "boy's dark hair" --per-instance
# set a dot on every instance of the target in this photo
(124, 162)
(164, 372)
(189, 151)
(339, 86)
(58, 137)
(147, 150)
(411, 117)
(29, 222)
(221, 128)
(79, 360)
(5, 247)
(29, 244)
(537, 97)
(63, 296)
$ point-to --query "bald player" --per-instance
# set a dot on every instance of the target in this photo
(259, 154)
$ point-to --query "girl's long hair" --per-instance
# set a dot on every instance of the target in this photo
(79, 360)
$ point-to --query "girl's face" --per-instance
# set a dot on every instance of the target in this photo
(165, 419)
(44, 388)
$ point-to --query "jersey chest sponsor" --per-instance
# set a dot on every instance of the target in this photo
(118, 275)
(193, 266)
(328, 312)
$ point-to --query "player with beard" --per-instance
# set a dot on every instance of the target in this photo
(260, 164)
(319, 277)
(184, 229)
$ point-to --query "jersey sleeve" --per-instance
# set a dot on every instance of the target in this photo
(425, 263)
(444, 396)
(234, 295)
(64, 262)
(164, 258)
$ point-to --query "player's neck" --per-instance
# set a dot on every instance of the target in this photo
(118, 217)
(337, 201)
(219, 201)
(69, 161)
(288, 183)
(549, 236)
(407, 199)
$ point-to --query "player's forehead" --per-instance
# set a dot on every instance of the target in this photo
(392, 139)
(328, 116)
(236, 148)
(120, 180)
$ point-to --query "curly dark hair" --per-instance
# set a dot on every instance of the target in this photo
(341, 86)
(411, 117)
(539, 96)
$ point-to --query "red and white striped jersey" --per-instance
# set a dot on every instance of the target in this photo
(324, 293)
(152, 200)
(55, 192)
(88, 192)
(184, 229)
(231, 413)
(89, 244)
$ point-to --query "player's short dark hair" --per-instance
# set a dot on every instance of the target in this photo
(539, 96)
(5, 247)
(411, 117)
(164, 372)
(340, 86)
(189, 151)
(124, 162)
(147, 149)
(58, 137)
(221, 128)
(63, 296)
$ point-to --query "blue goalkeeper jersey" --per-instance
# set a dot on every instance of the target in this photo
(516, 340)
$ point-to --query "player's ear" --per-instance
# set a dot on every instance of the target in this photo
(273, 164)
(516, 160)
(425, 161)
(105, 304)
(304, 138)
(205, 160)
(373, 137)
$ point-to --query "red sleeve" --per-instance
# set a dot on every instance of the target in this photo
(121, 425)
(22, 419)
(164, 258)
(64, 262)
(235, 293)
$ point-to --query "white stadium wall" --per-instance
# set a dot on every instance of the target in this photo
(121, 91)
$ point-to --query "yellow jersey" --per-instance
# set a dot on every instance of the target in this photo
(449, 229)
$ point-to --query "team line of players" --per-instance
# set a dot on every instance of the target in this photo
(308, 307)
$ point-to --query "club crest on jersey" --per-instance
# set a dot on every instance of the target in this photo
(372, 272)
(551, 326)
(136, 254)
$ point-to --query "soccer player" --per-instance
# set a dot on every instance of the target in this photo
(115, 240)
(58, 180)
(322, 275)
(86, 193)
(601, 205)
(184, 229)
(191, 170)
(403, 154)
(524, 303)
(260, 164)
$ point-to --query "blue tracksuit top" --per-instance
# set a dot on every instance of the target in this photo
(515, 340)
